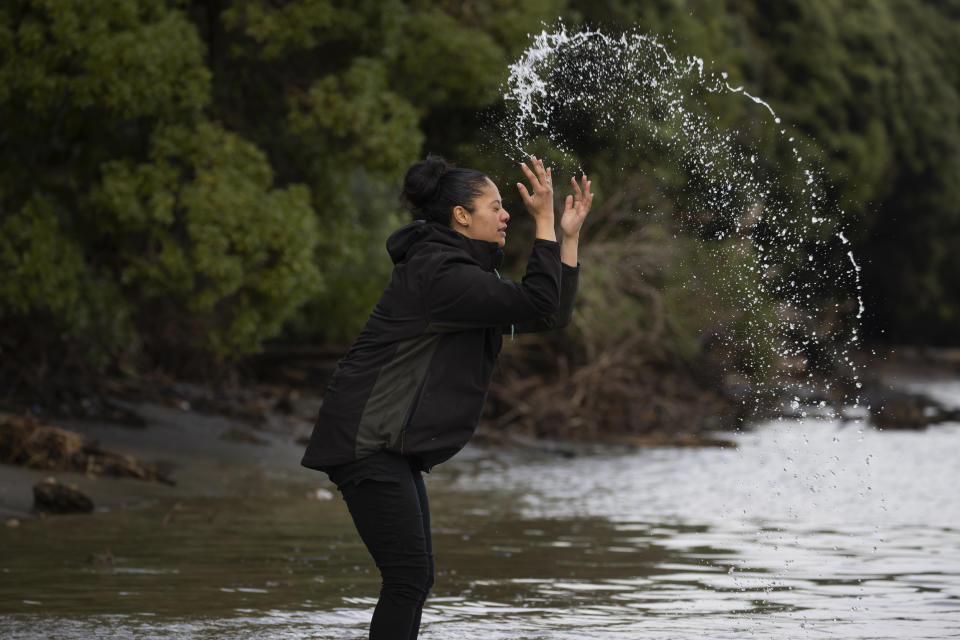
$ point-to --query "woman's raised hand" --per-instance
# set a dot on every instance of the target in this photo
(540, 204)
(576, 208)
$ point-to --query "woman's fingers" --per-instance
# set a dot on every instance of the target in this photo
(587, 196)
(538, 167)
(530, 175)
(539, 176)
(524, 195)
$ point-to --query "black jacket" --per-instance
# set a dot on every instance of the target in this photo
(416, 379)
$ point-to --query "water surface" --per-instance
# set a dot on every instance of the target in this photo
(809, 529)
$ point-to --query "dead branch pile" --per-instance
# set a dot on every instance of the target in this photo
(630, 393)
(24, 441)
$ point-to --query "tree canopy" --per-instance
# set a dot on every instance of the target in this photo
(183, 180)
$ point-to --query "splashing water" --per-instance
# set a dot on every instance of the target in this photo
(773, 219)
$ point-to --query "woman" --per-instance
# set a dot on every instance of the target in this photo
(409, 392)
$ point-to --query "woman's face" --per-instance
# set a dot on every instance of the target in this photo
(486, 219)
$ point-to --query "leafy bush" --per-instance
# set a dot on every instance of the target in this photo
(217, 258)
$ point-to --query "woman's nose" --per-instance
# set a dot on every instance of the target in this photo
(506, 215)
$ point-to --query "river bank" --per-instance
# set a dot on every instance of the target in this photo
(245, 440)
(206, 455)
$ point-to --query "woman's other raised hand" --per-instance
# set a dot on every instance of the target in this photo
(576, 208)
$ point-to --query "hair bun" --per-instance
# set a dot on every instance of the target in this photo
(422, 180)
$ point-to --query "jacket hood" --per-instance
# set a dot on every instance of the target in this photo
(421, 235)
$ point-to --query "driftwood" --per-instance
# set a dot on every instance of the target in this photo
(26, 442)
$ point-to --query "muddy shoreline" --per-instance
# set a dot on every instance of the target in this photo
(207, 455)
(249, 441)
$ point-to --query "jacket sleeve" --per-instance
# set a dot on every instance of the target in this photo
(461, 295)
(569, 282)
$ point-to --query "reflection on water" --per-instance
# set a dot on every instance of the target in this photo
(809, 529)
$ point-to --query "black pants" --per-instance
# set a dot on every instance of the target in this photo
(388, 502)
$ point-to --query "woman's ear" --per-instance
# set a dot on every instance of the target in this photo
(461, 216)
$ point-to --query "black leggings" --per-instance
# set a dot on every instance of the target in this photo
(390, 510)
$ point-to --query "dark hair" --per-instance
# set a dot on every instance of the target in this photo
(433, 187)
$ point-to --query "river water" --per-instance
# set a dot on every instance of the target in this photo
(810, 528)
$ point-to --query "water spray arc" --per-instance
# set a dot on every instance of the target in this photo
(773, 212)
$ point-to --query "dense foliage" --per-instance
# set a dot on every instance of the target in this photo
(185, 180)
